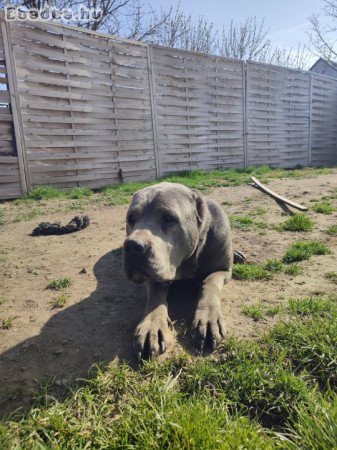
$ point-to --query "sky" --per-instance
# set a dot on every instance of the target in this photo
(286, 19)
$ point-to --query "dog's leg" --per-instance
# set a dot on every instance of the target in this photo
(208, 321)
(153, 332)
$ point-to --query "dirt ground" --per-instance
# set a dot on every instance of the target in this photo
(103, 308)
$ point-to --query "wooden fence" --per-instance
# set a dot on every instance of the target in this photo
(87, 109)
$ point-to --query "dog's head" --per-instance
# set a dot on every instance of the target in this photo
(164, 225)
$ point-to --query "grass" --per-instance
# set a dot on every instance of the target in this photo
(323, 208)
(332, 229)
(59, 283)
(197, 179)
(300, 251)
(2, 215)
(298, 222)
(60, 301)
(245, 222)
(259, 211)
(332, 276)
(260, 311)
(264, 271)
(273, 393)
(31, 214)
(7, 323)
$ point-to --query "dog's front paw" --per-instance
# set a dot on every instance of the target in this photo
(208, 326)
(152, 335)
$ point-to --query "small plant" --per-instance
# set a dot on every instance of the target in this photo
(298, 222)
(60, 301)
(59, 283)
(227, 203)
(44, 193)
(312, 306)
(79, 192)
(2, 215)
(7, 323)
(300, 251)
(293, 269)
(251, 272)
(271, 311)
(274, 266)
(259, 211)
(254, 311)
(323, 208)
(245, 222)
(332, 276)
(332, 229)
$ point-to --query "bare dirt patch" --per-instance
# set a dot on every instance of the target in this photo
(102, 308)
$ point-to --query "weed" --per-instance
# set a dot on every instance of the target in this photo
(254, 312)
(332, 276)
(60, 301)
(310, 306)
(323, 208)
(59, 283)
(227, 203)
(2, 215)
(272, 311)
(245, 222)
(298, 222)
(300, 251)
(45, 193)
(7, 323)
(274, 266)
(251, 272)
(293, 269)
(332, 229)
(259, 211)
(25, 217)
(79, 192)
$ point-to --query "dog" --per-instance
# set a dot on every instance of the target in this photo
(176, 233)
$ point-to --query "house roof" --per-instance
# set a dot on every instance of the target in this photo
(328, 63)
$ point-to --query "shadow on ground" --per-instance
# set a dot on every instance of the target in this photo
(97, 329)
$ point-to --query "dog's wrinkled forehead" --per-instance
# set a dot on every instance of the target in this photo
(169, 196)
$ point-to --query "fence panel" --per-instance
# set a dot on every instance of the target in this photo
(323, 121)
(10, 178)
(91, 109)
(85, 106)
(199, 110)
(278, 114)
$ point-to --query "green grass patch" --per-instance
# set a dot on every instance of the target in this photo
(7, 323)
(332, 276)
(60, 301)
(2, 215)
(265, 271)
(259, 211)
(59, 283)
(313, 306)
(298, 222)
(30, 215)
(293, 269)
(332, 229)
(323, 208)
(251, 272)
(197, 179)
(300, 251)
(269, 394)
(261, 311)
(254, 312)
(245, 222)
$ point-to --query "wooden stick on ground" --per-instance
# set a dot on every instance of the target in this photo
(278, 197)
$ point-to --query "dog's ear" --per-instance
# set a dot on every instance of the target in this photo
(201, 208)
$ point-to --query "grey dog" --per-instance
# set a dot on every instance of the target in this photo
(175, 233)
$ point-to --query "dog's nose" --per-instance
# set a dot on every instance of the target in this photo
(133, 246)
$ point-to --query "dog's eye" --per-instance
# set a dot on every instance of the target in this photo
(131, 220)
(167, 219)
